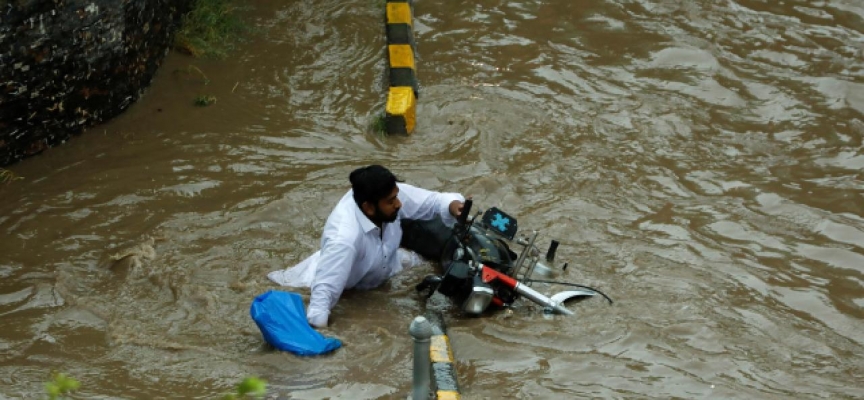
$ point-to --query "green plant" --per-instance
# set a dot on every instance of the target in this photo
(204, 77)
(7, 176)
(379, 124)
(209, 29)
(204, 100)
(61, 385)
(249, 388)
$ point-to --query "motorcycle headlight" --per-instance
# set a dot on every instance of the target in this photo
(479, 298)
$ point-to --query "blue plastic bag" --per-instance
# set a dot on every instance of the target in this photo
(281, 318)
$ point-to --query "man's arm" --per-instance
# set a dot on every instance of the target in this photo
(334, 268)
(422, 204)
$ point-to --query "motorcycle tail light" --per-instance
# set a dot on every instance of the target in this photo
(479, 298)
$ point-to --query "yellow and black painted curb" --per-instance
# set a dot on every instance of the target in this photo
(400, 114)
(444, 381)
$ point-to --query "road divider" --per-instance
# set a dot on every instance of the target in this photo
(400, 114)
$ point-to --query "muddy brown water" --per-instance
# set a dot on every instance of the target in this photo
(700, 162)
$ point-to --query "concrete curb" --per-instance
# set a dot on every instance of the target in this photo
(444, 383)
(400, 114)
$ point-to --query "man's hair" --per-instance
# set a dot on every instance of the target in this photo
(371, 183)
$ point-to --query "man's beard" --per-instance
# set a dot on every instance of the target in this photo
(380, 218)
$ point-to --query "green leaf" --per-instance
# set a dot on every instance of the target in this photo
(61, 385)
(52, 390)
(252, 386)
(66, 383)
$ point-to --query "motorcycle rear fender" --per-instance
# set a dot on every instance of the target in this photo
(563, 297)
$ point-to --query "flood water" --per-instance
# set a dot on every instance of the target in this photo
(700, 162)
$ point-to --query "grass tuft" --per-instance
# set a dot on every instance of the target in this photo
(250, 388)
(204, 77)
(7, 176)
(61, 386)
(210, 29)
(204, 100)
(379, 124)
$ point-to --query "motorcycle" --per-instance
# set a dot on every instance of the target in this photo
(480, 270)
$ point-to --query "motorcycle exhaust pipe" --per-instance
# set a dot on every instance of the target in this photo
(489, 275)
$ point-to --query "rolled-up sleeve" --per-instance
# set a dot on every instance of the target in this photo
(334, 268)
(422, 204)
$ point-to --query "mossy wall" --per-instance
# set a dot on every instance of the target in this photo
(66, 65)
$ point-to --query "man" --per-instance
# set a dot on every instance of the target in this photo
(361, 238)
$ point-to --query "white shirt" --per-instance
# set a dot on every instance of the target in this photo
(354, 253)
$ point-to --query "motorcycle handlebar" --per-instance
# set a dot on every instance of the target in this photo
(550, 254)
(466, 209)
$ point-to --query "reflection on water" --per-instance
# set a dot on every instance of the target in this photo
(700, 162)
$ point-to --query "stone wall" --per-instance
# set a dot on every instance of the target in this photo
(69, 64)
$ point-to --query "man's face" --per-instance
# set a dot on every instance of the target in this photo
(387, 208)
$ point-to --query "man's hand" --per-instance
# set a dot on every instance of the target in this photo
(317, 319)
(456, 207)
(318, 325)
